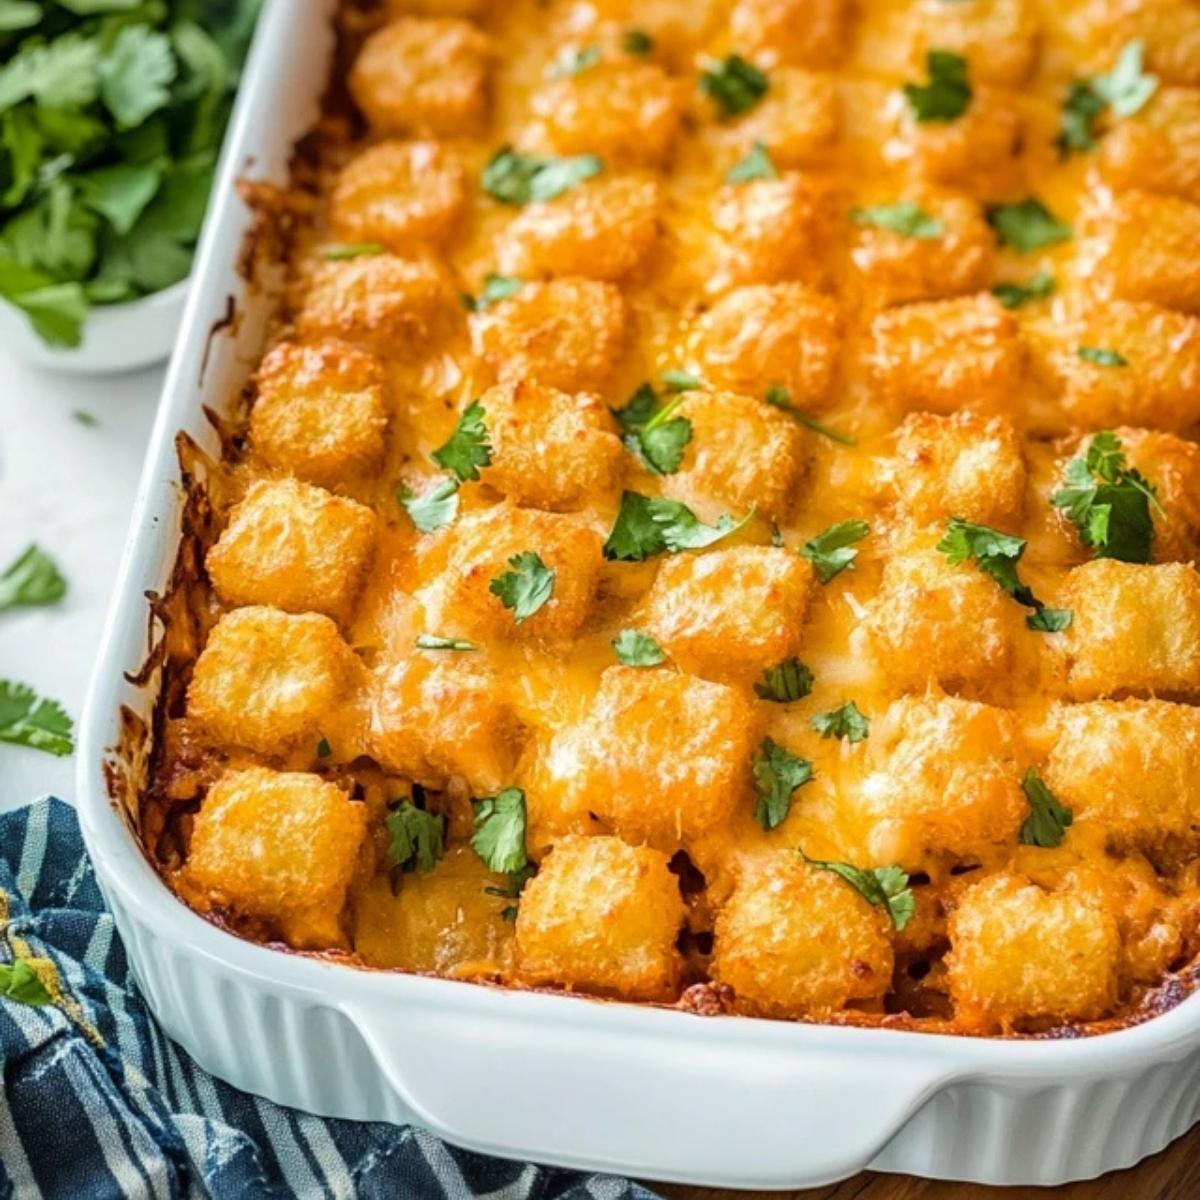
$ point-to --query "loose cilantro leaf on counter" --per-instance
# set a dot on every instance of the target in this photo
(1047, 823)
(468, 448)
(573, 62)
(495, 288)
(636, 649)
(756, 165)
(777, 775)
(790, 680)
(526, 588)
(518, 179)
(32, 579)
(418, 837)
(648, 525)
(904, 217)
(430, 641)
(831, 551)
(780, 397)
(20, 982)
(655, 435)
(432, 509)
(734, 85)
(844, 722)
(947, 95)
(1102, 357)
(1016, 295)
(82, 417)
(886, 887)
(500, 831)
(1108, 502)
(341, 252)
(1027, 225)
(27, 720)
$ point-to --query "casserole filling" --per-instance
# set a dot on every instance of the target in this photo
(715, 523)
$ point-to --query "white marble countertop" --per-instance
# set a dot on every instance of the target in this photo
(69, 487)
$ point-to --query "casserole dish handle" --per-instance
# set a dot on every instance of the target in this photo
(791, 1111)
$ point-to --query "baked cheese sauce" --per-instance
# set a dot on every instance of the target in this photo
(310, 713)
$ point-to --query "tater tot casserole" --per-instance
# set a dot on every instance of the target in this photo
(715, 523)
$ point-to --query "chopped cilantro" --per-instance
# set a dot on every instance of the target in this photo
(20, 982)
(886, 887)
(432, 509)
(947, 95)
(734, 85)
(1102, 357)
(636, 649)
(468, 448)
(655, 435)
(514, 178)
(32, 579)
(512, 890)
(500, 831)
(1050, 620)
(1127, 87)
(777, 775)
(1080, 111)
(495, 288)
(1016, 295)
(26, 720)
(1048, 820)
(430, 641)
(648, 525)
(904, 217)
(641, 406)
(637, 41)
(756, 165)
(781, 398)
(526, 588)
(831, 551)
(1027, 225)
(790, 680)
(83, 417)
(343, 251)
(324, 749)
(1108, 502)
(418, 837)
(573, 62)
(676, 380)
(844, 722)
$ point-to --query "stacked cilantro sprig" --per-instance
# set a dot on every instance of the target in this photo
(111, 116)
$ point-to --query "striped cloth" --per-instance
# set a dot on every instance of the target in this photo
(99, 1103)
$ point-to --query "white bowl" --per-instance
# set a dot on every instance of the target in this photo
(116, 337)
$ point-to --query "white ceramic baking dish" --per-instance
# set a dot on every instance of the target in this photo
(575, 1082)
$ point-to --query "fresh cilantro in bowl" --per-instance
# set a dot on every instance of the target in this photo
(111, 117)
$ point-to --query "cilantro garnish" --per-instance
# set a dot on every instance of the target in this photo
(1016, 295)
(430, 641)
(734, 85)
(756, 165)
(468, 448)
(573, 62)
(526, 588)
(676, 380)
(495, 288)
(831, 551)
(636, 649)
(886, 887)
(844, 722)
(518, 179)
(777, 775)
(20, 982)
(780, 397)
(324, 749)
(1102, 357)
(637, 41)
(947, 94)
(790, 680)
(32, 579)
(349, 250)
(904, 217)
(500, 831)
(418, 837)
(1108, 502)
(432, 509)
(1080, 110)
(1027, 225)
(1127, 87)
(1047, 823)
(512, 890)
(648, 525)
(655, 435)
(1050, 620)
(27, 720)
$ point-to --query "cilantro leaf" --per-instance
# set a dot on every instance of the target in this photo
(676, 380)
(993, 552)
(1080, 111)
(518, 179)
(136, 74)
(756, 165)
(640, 407)
(844, 722)
(1102, 357)
(1016, 295)
(19, 14)
(780, 397)
(526, 588)
(734, 85)
(831, 552)
(790, 680)
(648, 525)
(1127, 87)
(120, 193)
(495, 288)
(468, 448)
(947, 95)
(344, 251)
(638, 42)
(655, 436)
(885, 887)
(429, 641)
(1027, 225)
(500, 831)
(26, 720)
(1050, 620)
(573, 62)
(418, 837)
(31, 580)
(324, 749)
(777, 775)
(432, 509)
(512, 889)
(636, 649)
(1048, 820)
(904, 217)
(61, 74)
(20, 982)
